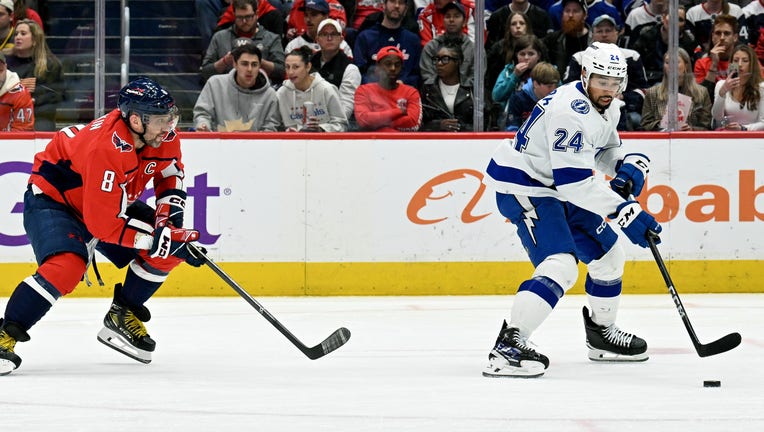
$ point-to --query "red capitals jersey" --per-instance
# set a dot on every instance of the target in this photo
(97, 172)
(16, 110)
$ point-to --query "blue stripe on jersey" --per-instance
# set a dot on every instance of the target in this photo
(512, 175)
(602, 289)
(545, 288)
(563, 176)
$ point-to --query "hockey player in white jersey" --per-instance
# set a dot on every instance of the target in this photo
(545, 185)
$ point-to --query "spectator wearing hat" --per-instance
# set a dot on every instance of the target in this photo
(334, 65)
(6, 26)
(593, 8)
(388, 32)
(40, 72)
(241, 100)
(388, 105)
(218, 59)
(315, 11)
(605, 30)
(454, 18)
(431, 23)
(538, 20)
(16, 106)
(297, 24)
(574, 36)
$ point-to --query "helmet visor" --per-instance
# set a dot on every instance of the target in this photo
(607, 83)
(163, 122)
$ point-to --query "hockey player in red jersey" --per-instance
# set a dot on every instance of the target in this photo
(83, 195)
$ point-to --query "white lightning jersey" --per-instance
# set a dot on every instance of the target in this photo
(556, 150)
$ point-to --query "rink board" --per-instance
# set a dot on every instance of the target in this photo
(358, 214)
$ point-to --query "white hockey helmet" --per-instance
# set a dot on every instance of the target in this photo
(603, 59)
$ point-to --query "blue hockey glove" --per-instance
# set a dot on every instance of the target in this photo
(170, 207)
(636, 223)
(634, 167)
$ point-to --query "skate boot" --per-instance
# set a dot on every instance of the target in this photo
(511, 357)
(123, 330)
(611, 343)
(10, 333)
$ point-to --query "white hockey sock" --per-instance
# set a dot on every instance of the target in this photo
(528, 312)
(604, 309)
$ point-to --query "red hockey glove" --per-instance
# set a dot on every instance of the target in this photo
(172, 241)
(170, 207)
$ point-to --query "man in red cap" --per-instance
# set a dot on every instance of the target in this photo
(388, 105)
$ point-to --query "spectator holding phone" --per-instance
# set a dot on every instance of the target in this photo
(738, 99)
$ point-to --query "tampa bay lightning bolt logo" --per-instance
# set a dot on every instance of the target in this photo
(580, 106)
(121, 144)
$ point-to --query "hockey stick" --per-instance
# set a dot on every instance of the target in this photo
(719, 346)
(331, 343)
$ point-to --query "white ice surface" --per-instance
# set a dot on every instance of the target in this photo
(412, 364)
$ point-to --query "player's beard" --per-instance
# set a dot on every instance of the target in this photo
(602, 106)
(572, 27)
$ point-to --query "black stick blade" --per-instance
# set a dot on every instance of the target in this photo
(334, 341)
(724, 344)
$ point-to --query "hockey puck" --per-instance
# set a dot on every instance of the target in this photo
(712, 383)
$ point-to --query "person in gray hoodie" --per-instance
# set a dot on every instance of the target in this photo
(307, 102)
(241, 100)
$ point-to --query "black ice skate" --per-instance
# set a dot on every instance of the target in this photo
(124, 330)
(10, 333)
(511, 357)
(611, 343)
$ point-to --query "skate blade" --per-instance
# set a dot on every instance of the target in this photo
(607, 356)
(6, 367)
(527, 369)
(114, 341)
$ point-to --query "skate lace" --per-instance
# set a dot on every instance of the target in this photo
(617, 336)
(134, 325)
(522, 343)
(7, 343)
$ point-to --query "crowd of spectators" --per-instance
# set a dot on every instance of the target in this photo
(315, 65)
(388, 75)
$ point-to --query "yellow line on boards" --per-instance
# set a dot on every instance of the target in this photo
(416, 278)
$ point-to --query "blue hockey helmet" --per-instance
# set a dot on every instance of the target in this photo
(145, 97)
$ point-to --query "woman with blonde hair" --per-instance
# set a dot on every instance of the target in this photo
(656, 99)
(40, 72)
(739, 99)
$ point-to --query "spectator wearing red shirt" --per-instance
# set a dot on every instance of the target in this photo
(16, 106)
(388, 105)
